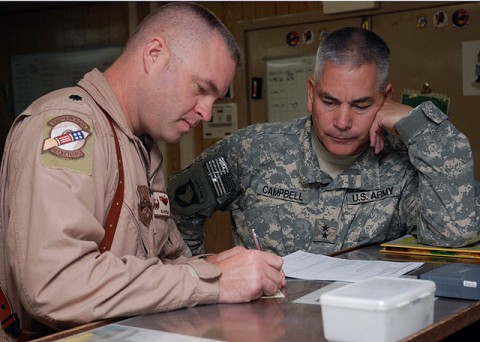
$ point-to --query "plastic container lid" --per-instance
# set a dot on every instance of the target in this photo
(378, 293)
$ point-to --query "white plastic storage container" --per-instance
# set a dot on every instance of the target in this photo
(378, 309)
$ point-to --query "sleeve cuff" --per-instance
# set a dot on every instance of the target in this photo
(424, 115)
(204, 270)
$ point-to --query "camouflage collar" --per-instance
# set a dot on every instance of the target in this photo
(363, 174)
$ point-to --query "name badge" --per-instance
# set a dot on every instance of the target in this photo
(294, 195)
(161, 204)
(374, 195)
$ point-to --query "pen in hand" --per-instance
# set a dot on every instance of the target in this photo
(256, 240)
(258, 245)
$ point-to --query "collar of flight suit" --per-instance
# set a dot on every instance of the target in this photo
(97, 86)
(99, 89)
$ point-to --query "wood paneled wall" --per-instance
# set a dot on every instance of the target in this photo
(63, 26)
(69, 26)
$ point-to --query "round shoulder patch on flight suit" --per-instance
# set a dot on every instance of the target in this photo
(68, 144)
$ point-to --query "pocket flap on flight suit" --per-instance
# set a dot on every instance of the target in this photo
(205, 270)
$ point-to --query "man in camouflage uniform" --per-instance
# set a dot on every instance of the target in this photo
(360, 169)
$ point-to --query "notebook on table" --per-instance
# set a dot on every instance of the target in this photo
(408, 244)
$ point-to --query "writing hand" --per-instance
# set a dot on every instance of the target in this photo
(248, 274)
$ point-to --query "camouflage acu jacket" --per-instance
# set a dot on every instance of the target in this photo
(422, 183)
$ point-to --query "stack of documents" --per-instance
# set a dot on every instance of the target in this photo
(409, 244)
(307, 266)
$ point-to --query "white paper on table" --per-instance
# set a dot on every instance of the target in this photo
(308, 266)
(119, 332)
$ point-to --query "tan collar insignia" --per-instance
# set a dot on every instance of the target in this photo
(145, 207)
(67, 137)
(76, 98)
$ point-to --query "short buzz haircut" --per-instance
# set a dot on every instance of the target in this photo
(354, 47)
(183, 24)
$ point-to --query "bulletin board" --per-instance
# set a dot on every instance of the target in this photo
(286, 81)
(35, 75)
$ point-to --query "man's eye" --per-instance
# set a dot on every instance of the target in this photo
(200, 89)
(361, 106)
(328, 102)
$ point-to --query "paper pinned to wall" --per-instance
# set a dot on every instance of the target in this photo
(35, 75)
(471, 67)
(287, 90)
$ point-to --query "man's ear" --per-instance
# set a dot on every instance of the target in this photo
(311, 93)
(155, 54)
(388, 91)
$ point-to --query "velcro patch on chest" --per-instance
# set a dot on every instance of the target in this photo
(161, 204)
(326, 231)
(295, 195)
(373, 195)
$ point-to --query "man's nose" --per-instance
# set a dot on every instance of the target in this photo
(342, 119)
(205, 109)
